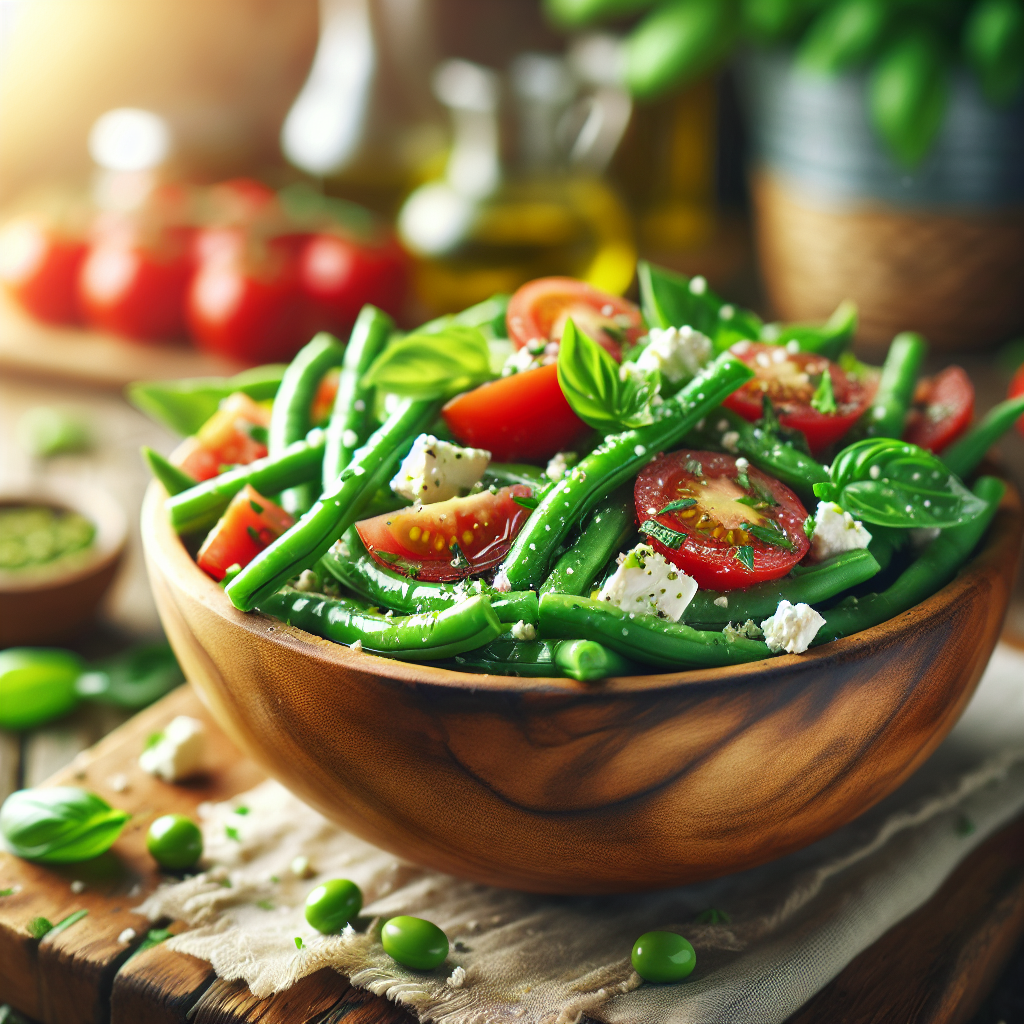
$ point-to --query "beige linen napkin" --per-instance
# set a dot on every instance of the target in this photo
(792, 925)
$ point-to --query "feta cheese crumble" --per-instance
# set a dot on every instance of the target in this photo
(791, 628)
(645, 582)
(126, 936)
(438, 470)
(678, 352)
(524, 630)
(836, 531)
(722, 602)
(457, 979)
(177, 752)
(558, 465)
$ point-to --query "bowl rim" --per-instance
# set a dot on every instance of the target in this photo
(164, 547)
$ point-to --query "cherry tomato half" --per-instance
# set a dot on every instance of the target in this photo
(1016, 389)
(731, 518)
(39, 269)
(789, 379)
(420, 541)
(226, 438)
(943, 408)
(538, 310)
(250, 523)
(521, 417)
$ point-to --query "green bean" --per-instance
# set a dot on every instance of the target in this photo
(289, 420)
(830, 339)
(617, 459)
(308, 540)
(886, 415)
(584, 660)
(505, 474)
(350, 564)
(587, 660)
(201, 506)
(644, 638)
(963, 456)
(932, 570)
(426, 637)
(612, 522)
(353, 406)
(809, 584)
(175, 480)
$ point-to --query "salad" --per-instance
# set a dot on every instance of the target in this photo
(561, 482)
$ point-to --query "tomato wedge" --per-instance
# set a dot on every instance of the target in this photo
(226, 438)
(521, 417)
(447, 540)
(725, 528)
(39, 268)
(538, 310)
(250, 523)
(943, 408)
(790, 380)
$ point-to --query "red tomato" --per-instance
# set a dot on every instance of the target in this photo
(789, 379)
(718, 525)
(1016, 389)
(39, 269)
(339, 277)
(225, 439)
(538, 310)
(420, 541)
(943, 408)
(249, 524)
(524, 416)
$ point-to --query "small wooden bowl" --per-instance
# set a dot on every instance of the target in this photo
(554, 786)
(38, 605)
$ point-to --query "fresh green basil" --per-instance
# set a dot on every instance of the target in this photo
(769, 532)
(435, 365)
(488, 315)
(889, 482)
(824, 400)
(59, 825)
(678, 505)
(745, 556)
(773, 430)
(602, 395)
(673, 539)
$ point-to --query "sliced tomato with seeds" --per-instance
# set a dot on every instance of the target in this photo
(234, 435)
(942, 411)
(538, 310)
(725, 527)
(791, 380)
(447, 540)
(249, 524)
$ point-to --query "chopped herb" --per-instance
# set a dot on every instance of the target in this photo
(243, 810)
(693, 466)
(69, 921)
(750, 501)
(258, 433)
(7, 892)
(713, 916)
(152, 740)
(400, 564)
(264, 904)
(745, 555)
(275, 879)
(965, 827)
(743, 480)
(255, 506)
(678, 504)
(769, 532)
(770, 425)
(225, 883)
(232, 833)
(153, 938)
(764, 494)
(38, 927)
(809, 524)
(663, 534)
(299, 944)
(460, 561)
(254, 536)
(824, 399)
(526, 502)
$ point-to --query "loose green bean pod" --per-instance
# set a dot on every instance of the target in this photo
(932, 570)
(963, 456)
(427, 637)
(174, 480)
(612, 522)
(350, 421)
(308, 540)
(201, 506)
(809, 584)
(289, 420)
(352, 565)
(584, 660)
(617, 459)
(886, 415)
(587, 660)
(644, 638)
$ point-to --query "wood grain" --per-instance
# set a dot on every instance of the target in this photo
(158, 986)
(557, 786)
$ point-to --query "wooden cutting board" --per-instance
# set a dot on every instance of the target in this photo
(932, 968)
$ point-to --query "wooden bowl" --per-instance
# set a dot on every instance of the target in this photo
(554, 786)
(38, 605)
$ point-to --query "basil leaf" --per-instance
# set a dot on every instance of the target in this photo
(668, 299)
(678, 505)
(432, 365)
(745, 555)
(769, 532)
(459, 560)
(775, 431)
(673, 539)
(59, 825)
(824, 400)
(529, 503)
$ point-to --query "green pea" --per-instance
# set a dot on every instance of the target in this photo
(36, 684)
(414, 942)
(329, 907)
(175, 842)
(663, 956)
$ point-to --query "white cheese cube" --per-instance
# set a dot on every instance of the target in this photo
(791, 628)
(645, 582)
(438, 470)
(524, 630)
(836, 531)
(178, 752)
(678, 352)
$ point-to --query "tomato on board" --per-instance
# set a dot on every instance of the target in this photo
(942, 411)
(1017, 389)
(39, 270)
(420, 541)
(249, 524)
(538, 310)
(226, 438)
(790, 379)
(523, 416)
(731, 529)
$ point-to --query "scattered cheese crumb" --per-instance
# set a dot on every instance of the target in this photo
(521, 360)
(118, 783)
(501, 582)
(677, 352)
(792, 627)
(645, 582)
(457, 979)
(77, 886)
(126, 936)
(722, 602)
(731, 440)
(307, 581)
(300, 867)
(356, 645)
(178, 752)
(750, 630)
(558, 465)
(524, 630)
(438, 470)
(350, 439)
(835, 531)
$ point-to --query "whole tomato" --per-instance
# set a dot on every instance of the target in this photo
(39, 269)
